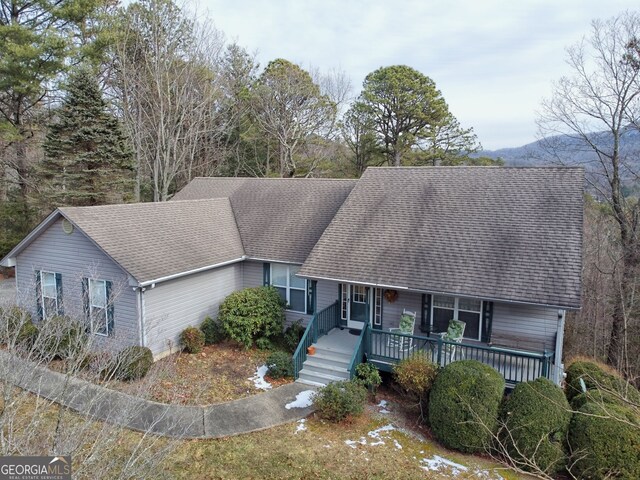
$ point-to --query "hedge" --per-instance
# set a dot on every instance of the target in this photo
(596, 377)
(464, 403)
(534, 423)
(605, 440)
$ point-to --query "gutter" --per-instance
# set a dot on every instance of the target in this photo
(450, 294)
(190, 272)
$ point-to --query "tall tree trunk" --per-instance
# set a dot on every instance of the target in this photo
(396, 157)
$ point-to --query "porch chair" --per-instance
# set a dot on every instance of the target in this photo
(454, 333)
(407, 324)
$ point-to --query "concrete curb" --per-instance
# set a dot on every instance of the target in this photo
(249, 414)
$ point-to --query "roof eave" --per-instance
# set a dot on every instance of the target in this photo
(437, 292)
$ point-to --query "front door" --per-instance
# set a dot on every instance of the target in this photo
(358, 311)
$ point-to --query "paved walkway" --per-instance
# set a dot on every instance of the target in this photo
(250, 414)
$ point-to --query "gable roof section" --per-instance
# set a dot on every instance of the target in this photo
(512, 234)
(153, 241)
(278, 219)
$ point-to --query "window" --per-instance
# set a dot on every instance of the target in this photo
(293, 290)
(98, 302)
(49, 290)
(377, 303)
(466, 310)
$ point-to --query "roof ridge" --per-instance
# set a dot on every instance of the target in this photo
(139, 204)
(323, 179)
(500, 167)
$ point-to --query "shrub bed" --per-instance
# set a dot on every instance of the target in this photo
(192, 339)
(249, 314)
(369, 376)
(213, 331)
(340, 400)
(279, 364)
(605, 440)
(464, 403)
(534, 423)
(131, 363)
(62, 337)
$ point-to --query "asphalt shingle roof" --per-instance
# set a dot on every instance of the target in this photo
(501, 233)
(278, 219)
(154, 240)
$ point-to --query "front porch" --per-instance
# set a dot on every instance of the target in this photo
(341, 351)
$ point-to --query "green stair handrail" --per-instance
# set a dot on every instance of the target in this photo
(321, 323)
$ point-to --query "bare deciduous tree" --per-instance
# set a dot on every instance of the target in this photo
(167, 75)
(591, 112)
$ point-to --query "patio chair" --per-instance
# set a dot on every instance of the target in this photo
(454, 333)
(407, 324)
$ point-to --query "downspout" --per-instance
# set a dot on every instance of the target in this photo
(141, 319)
(558, 375)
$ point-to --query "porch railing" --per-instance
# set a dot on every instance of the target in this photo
(321, 323)
(515, 366)
(358, 354)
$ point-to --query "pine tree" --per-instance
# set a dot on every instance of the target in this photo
(88, 160)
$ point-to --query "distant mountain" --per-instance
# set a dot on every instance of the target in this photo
(567, 150)
(564, 149)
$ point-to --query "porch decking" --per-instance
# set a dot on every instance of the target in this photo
(384, 349)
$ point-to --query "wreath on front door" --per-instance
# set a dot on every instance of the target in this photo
(391, 295)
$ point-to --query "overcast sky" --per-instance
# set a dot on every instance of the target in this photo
(493, 60)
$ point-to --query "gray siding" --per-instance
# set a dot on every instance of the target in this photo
(252, 277)
(74, 256)
(528, 327)
(172, 306)
(391, 312)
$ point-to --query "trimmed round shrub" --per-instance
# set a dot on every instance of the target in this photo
(340, 400)
(415, 374)
(279, 364)
(292, 335)
(213, 331)
(605, 440)
(249, 314)
(132, 363)
(17, 327)
(192, 339)
(369, 376)
(62, 337)
(597, 377)
(464, 403)
(534, 423)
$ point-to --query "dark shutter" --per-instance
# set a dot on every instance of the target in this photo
(39, 295)
(59, 294)
(425, 315)
(312, 286)
(266, 274)
(85, 304)
(110, 308)
(487, 320)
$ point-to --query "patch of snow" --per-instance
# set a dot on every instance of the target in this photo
(397, 444)
(303, 400)
(258, 379)
(383, 407)
(438, 463)
(375, 435)
(301, 426)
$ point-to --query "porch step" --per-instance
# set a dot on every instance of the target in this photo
(328, 353)
(329, 359)
(327, 368)
(318, 378)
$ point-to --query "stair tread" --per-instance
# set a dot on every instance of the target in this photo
(319, 364)
(320, 375)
